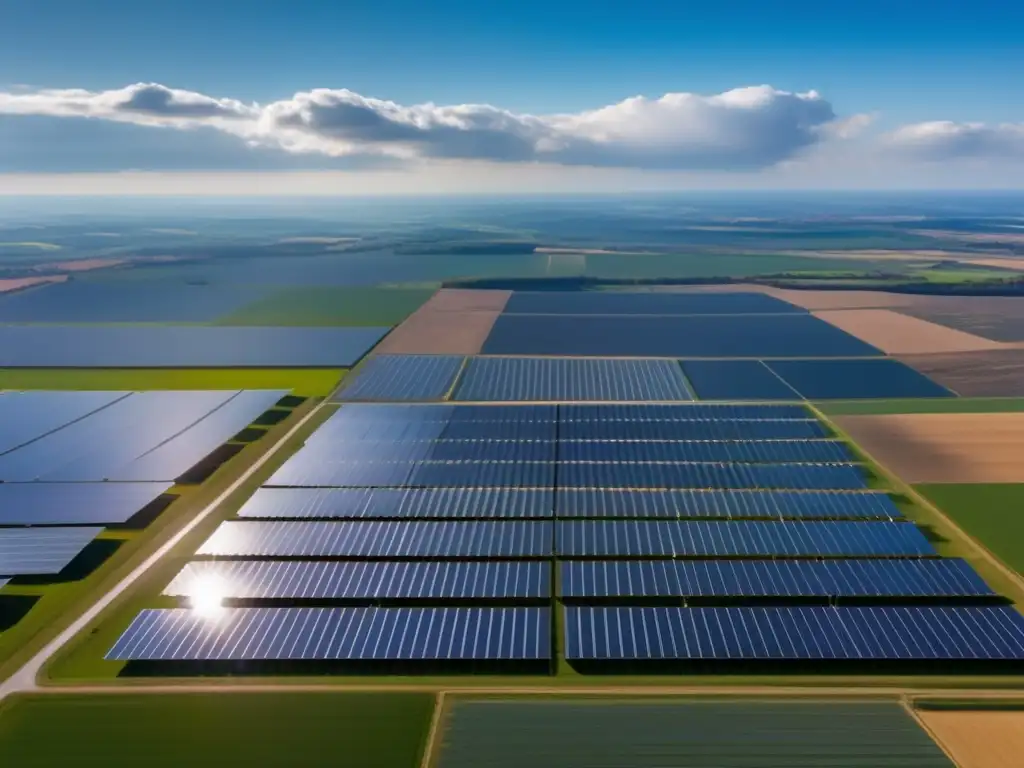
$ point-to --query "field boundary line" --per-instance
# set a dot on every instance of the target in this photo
(430, 748)
(905, 703)
(914, 495)
(26, 677)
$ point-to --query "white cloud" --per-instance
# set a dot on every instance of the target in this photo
(946, 140)
(741, 129)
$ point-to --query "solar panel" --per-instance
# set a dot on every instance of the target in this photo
(41, 551)
(253, 634)
(854, 379)
(682, 412)
(667, 475)
(27, 416)
(170, 460)
(75, 503)
(672, 538)
(302, 470)
(802, 633)
(718, 336)
(743, 451)
(170, 346)
(645, 303)
(735, 380)
(547, 378)
(92, 447)
(438, 450)
(408, 504)
(277, 580)
(404, 377)
(771, 578)
(748, 429)
(3, 582)
(625, 503)
(375, 539)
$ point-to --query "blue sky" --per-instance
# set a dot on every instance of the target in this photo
(899, 63)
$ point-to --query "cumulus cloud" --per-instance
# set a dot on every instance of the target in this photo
(741, 129)
(946, 140)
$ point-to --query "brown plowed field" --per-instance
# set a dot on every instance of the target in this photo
(439, 333)
(896, 334)
(467, 300)
(979, 739)
(944, 447)
(1000, 318)
(997, 373)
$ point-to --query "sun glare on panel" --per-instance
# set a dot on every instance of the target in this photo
(206, 595)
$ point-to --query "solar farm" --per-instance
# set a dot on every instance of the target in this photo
(589, 494)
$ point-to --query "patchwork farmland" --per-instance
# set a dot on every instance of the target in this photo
(514, 500)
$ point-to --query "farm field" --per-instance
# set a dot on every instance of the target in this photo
(994, 373)
(305, 382)
(978, 738)
(988, 512)
(1000, 318)
(375, 730)
(944, 447)
(567, 733)
(896, 333)
(324, 306)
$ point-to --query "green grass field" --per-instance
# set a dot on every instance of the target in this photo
(926, 405)
(991, 513)
(369, 730)
(322, 306)
(308, 382)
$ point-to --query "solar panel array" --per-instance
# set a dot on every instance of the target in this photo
(717, 532)
(404, 377)
(59, 449)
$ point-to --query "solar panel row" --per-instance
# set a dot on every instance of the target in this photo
(146, 436)
(539, 379)
(250, 634)
(407, 504)
(300, 471)
(782, 476)
(586, 579)
(645, 303)
(404, 377)
(27, 416)
(41, 551)
(594, 539)
(277, 580)
(670, 538)
(75, 503)
(807, 633)
(741, 451)
(169, 346)
(485, 539)
(682, 412)
(625, 503)
(736, 380)
(692, 430)
(510, 503)
(440, 450)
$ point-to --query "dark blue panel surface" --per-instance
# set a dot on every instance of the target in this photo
(26, 416)
(735, 380)
(276, 580)
(167, 346)
(364, 503)
(755, 336)
(682, 412)
(741, 451)
(74, 503)
(626, 503)
(855, 379)
(771, 578)
(741, 429)
(404, 377)
(671, 538)
(726, 476)
(305, 470)
(379, 539)
(545, 379)
(135, 301)
(253, 634)
(894, 633)
(41, 551)
(644, 303)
